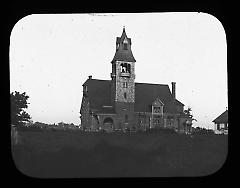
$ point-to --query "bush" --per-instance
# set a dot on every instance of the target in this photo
(161, 130)
(30, 128)
(203, 132)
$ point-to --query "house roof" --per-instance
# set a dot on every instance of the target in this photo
(178, 102)
(99, 95)
(223, 118)
(146, 93)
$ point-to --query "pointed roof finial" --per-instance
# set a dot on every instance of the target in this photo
(124, 33)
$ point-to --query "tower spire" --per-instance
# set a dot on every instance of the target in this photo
(124, 35)
(123, 48)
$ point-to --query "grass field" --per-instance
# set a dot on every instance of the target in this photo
(59, 154)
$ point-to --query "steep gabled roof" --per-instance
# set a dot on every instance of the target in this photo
(223, 118)
(146, 93)
(177, 102)
(99, 95)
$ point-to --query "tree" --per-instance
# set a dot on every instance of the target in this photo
(18, 103)
(190, 118)
(189, 114)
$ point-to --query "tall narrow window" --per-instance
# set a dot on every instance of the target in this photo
(125, 95)
(124, 46)
(128, 68)
(85, 89)
(125, 43)
(126, 118)
(114, 68)
(125, 85)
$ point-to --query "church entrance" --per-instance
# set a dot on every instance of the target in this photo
(108, 124)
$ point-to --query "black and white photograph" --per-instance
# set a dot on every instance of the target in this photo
(104, 95)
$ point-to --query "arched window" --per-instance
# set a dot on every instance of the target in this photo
(108, 120)
(125, 68)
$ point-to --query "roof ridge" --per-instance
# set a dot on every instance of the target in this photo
(99, 79)
(221, 116)
(151, 84)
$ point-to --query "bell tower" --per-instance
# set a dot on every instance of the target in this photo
(123, 77)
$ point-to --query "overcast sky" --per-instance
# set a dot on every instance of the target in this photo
(52, 55)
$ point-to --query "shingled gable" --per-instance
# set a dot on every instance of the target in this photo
(121, 54)
(223, 118)
(157, 101)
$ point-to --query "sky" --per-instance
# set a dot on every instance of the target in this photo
(52, 55)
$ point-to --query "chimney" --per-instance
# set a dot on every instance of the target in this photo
(90, 77)
(174, 90)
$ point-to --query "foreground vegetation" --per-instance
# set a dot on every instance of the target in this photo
(75, 153)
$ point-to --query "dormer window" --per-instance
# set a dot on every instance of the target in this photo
(125, 42)
(117, 46)
(157, 107)
(125, 46)
(85, 89)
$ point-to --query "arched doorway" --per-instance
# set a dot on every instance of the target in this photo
(108, 124)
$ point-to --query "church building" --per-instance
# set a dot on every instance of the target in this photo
(121, 103)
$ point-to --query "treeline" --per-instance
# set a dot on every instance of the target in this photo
(200, 130)
(21, 120)
(40, 126)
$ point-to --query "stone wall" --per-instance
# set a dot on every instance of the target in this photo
(130, 90)
(125, 114)
(85, 117)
